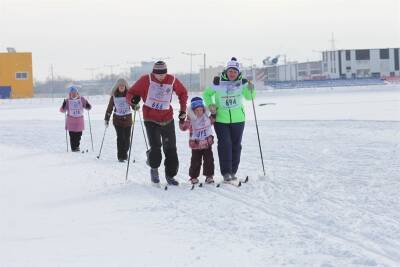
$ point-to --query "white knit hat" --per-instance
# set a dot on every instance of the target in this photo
(233, 64)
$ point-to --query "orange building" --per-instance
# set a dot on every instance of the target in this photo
(16, 79)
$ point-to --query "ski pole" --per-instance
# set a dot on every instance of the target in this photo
(130, 146)
(258, 134)
(90, 128)
(102, 141)
(66, 134)
(144, 135)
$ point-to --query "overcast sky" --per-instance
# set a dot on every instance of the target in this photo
(74, 35)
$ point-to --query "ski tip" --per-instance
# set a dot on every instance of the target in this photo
(246, 179)
(201, 185)
(192, 187)
(218, 185)
(239, 184)
(166, 188)
(87, 150)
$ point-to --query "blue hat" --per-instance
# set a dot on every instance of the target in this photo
(196, 102)
(73, 89)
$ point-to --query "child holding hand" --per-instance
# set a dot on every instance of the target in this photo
(201, 139)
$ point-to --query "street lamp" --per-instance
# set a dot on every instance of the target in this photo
(251, 68)
(191, 67)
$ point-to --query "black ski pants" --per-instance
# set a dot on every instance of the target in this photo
(123, 141)
(162, 135)
(75, 140)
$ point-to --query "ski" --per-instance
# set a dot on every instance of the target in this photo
(193, 186)
(237, 183)
(161, 186)
(190, 185)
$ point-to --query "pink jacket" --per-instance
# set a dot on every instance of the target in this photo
(196, 144)
(75, 124)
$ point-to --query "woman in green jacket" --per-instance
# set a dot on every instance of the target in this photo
(224, 99)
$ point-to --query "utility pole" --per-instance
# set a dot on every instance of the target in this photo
(111, 73)
(204, 68)
(111, 68)
(285, 66)
(332, 41)
(52, 83)
(251, 68)
(92, 71)
(191, 65)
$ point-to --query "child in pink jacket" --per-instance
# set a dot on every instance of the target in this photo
(201, 139)
(74, 123)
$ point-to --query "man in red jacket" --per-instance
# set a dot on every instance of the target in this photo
(156, 90)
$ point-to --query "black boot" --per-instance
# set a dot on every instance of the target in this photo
(154, 175)
(171, 180)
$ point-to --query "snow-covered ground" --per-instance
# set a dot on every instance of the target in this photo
(331, 196)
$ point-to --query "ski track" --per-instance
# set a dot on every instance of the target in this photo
(330, 197)
(298, 219)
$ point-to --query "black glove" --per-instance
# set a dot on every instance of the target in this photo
(182, 116)
(135, 102)
(64, 104)
(88, 106)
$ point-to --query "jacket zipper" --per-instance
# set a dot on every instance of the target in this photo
(230, 115)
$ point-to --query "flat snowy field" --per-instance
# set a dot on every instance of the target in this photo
(331, 196)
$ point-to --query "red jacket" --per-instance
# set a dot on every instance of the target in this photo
(141, 87)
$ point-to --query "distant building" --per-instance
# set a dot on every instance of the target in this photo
(337, 64)
(292, 71)
(361, 63)
(16, 74)
(137, 71)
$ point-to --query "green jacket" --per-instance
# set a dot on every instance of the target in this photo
(227, 96)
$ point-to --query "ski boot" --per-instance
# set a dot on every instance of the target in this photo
(227, 177)
(209, 180)
(154, 176)
(171, 180)
(234, 177)
(194, 180)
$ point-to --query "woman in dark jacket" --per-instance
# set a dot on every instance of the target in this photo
(122, 117)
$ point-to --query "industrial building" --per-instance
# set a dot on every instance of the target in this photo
(361, 63)
(339, 64)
